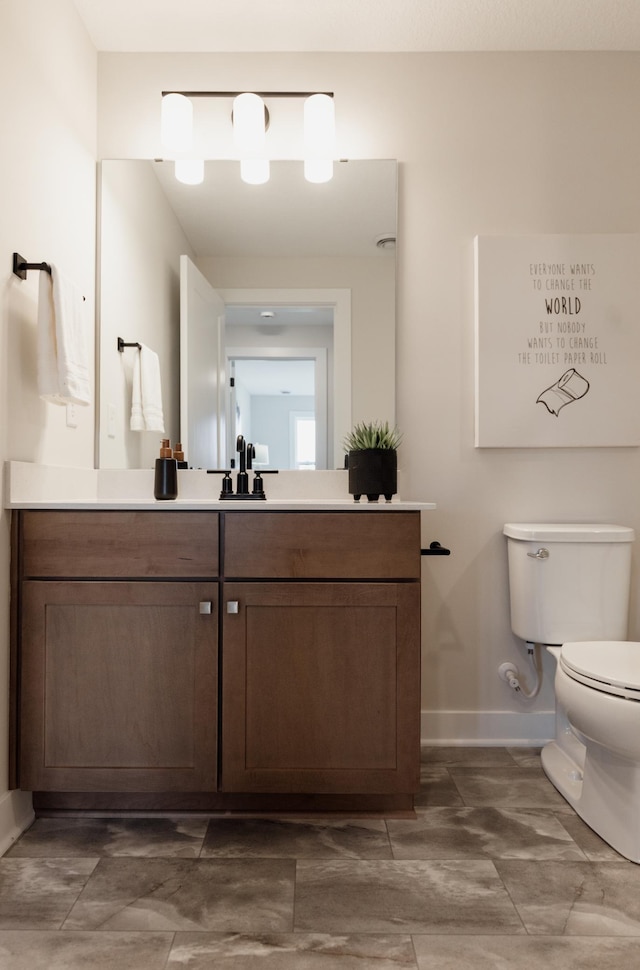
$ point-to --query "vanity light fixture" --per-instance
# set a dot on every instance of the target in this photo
(319, 138)
(176, 126)
(250, 118)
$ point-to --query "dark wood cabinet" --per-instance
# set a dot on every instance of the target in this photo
(320, 666)
(119, 686)
(200, 660)
(319, 687)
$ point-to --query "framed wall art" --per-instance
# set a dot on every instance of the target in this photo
(557, 341)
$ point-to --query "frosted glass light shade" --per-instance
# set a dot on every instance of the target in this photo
(319, 138)
(254, 171)
(318, 169)
(249, 138)
(190, 170)
(177, 122)
(248, 124)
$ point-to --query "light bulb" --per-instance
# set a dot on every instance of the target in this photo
(177, 122)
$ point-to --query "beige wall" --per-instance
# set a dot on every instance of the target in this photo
(487, 143)
(48, 70)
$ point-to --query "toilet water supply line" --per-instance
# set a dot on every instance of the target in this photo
(509, 673)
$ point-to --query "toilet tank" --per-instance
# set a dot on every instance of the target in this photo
(569, 582)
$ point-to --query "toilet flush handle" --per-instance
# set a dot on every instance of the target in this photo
(542, 553)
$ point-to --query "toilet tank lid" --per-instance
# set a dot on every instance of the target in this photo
(568, 532)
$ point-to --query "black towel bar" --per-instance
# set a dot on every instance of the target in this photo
(122, 345)
(20, 266)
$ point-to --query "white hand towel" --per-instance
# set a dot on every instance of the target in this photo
(146, 392)
(63, 368)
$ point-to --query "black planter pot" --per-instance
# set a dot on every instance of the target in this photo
(373, 472)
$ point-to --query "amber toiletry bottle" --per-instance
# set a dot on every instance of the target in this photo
(166, 478)
(178, 454)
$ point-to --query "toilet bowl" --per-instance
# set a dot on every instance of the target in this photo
(568, 583)
(594, 760)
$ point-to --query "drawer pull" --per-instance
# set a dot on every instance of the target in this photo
(233, 606)
(205, 607)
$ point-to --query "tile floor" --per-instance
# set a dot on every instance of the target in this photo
(496, 871)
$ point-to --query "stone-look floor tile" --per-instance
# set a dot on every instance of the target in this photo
(470, 757)
(482, 833)
(297, 838)
(294, 951)
(525, 757)
(436, 788)
(575, 898)
(38, 893)
(594, 848)
(68, 837)
(232, 895)
(506, 788)
(28, 950)
(528, 953)
(402, 897)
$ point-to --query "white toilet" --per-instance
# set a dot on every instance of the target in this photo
(569, 589)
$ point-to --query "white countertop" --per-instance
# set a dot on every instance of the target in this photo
(32, 486)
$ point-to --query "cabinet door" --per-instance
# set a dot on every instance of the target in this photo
(321, 687)
(118, 686)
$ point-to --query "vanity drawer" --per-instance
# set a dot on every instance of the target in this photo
(119, 544)
(322, 545)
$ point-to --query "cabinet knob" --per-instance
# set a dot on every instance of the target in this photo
(233, 606)
(205, 607)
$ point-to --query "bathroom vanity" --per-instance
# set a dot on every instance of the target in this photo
(216, 658)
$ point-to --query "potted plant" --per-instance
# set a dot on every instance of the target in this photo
(372, 460)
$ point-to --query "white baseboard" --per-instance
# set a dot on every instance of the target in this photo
(16, 815)
(487, 728)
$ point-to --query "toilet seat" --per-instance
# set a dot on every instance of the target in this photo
(610, 666)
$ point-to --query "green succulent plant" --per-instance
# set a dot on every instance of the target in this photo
(373, 434)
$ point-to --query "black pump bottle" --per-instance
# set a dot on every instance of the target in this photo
(166, 478)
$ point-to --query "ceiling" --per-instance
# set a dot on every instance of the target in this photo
(362, 25)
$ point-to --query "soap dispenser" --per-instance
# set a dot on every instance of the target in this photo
(178, 454)
(166, 477)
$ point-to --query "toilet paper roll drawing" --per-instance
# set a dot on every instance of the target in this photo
(569, 388)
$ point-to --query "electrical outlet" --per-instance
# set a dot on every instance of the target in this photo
(72, 416)
(111, 420)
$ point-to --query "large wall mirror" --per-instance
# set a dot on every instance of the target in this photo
(271, 309)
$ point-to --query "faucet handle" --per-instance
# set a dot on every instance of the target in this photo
(258, 485)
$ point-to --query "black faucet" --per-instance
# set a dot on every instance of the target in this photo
(242, 481)
(247, 453)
